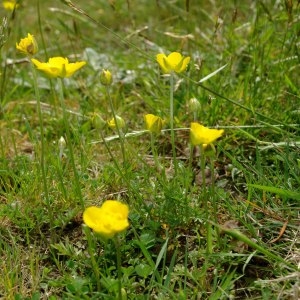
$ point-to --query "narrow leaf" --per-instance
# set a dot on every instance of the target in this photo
(278, 191)
(212, 74)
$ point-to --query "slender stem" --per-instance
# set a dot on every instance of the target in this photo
(118, 252)
(154, 152)
(91, 251)
(213, 194)
(42, 150)
(129, 185)
(60, 173)
(172, 121)
(191, 158)
(69, 142)
(120, 134)
(202, 165)
(195, 116)
(208, 225)
(113, 158)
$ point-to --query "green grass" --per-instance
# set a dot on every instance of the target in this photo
(236, 238)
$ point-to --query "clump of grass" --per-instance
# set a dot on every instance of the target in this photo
(212, 224)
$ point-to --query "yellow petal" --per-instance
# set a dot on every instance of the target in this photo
(73, 67)
(174, 59)
(184, 64)
(203, 135)
(117, 207)
(91, 216)
(58, 61)
(47, 68)
(161, 58)
(37, 63)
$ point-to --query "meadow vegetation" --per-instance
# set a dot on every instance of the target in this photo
(199, 212)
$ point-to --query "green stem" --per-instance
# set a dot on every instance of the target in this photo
(42, 150)
(213, 194)
(130, 187)
(191, 158)
(172, 121)
(113, 158)
(69, 142)
(202, 165)
(118, 252)
(195, 116)
(60, 174)
(154, 152)
(92, 251)
(120, 134)
(208, 225)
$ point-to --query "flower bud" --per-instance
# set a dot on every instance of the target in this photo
(97, 121)
(106, 77)
(61, 143)
(194, 105)
(120, 123)
(61, 146)
(28, 45)
(153, 123)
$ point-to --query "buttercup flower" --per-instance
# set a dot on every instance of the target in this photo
(203, 135)
(28, 45)
(107, 220)
(174, 62)
(106, 77)
(153, 123)
(10, 4)
(120, 122)
(58, 67)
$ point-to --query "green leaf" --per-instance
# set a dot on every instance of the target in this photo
(278, 191)
(143, 270)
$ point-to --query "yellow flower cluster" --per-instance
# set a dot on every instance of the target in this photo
(55, 67)
(107, 220)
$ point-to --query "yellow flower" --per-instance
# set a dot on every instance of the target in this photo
(107, 220)
(153, 123)
(58, 67)
(120, 122)
(173, 62)
(10, 4)
(203, 135)
(28, 45)
(106, 77)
